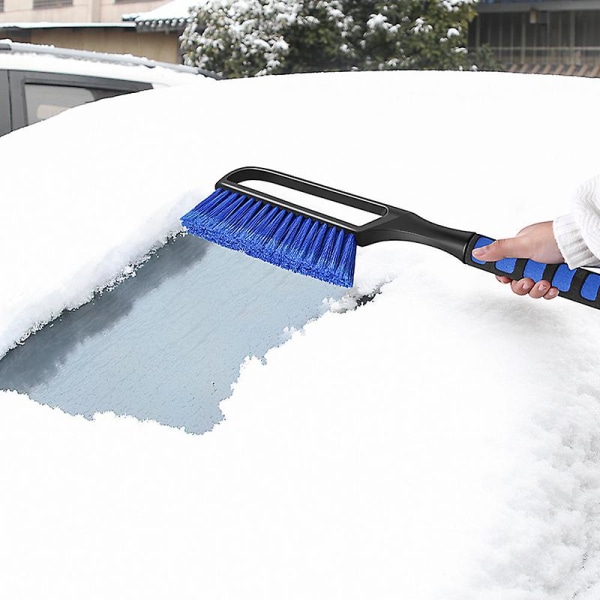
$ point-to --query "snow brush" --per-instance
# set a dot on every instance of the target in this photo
(312, 243)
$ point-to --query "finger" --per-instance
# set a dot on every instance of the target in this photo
(540, 289)
(508, 248)
(522, 287)
(552, 293)
(503, 279)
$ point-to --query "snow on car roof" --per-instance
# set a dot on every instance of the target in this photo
(14, 55)
(439, 441)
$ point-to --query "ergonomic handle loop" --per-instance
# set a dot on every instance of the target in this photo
(579, 285)
(237, 179)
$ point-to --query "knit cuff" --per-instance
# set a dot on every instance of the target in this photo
(570, 242)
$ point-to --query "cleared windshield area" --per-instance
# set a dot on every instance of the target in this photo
(167, 343)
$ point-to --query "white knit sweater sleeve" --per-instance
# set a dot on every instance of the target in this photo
(578, 233)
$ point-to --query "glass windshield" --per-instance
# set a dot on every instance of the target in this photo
(167, 343)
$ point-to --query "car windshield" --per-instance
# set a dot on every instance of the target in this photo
(440, 442)
(167, 343)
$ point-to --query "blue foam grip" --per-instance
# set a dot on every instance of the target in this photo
(563, 278)
(482, 241)
(589, 289)
(534, 270)
(578, 285)
(507, 265)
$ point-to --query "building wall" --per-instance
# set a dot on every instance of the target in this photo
(162, 46)
(157, 46)
(78, 11)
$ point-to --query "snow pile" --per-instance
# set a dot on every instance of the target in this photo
(439, 442)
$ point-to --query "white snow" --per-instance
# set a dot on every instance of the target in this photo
(439, 443)
(97, 64)
(176, 9)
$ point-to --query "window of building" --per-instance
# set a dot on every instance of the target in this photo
(51, 3)
(551, 37)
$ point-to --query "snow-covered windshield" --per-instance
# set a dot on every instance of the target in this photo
(439, 442)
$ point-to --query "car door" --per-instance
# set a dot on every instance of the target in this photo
(5, 104)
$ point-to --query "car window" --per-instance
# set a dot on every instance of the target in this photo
(36, 96)
(168, 343)
(44, 101)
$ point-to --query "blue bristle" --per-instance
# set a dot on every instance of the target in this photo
(270, 225)
(296, 247)
(275, 235)
(270, 249)
(312, 251)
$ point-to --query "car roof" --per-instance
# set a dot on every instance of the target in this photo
(51, 59)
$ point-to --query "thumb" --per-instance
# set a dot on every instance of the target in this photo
(507, 248)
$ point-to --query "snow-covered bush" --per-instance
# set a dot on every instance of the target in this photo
(241, 38)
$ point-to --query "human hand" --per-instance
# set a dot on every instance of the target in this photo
(536, 242)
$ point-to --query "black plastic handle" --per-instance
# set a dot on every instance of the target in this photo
(579, 285)
(389, 222)
(392, 223)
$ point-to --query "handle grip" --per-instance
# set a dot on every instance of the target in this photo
(579, 285)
